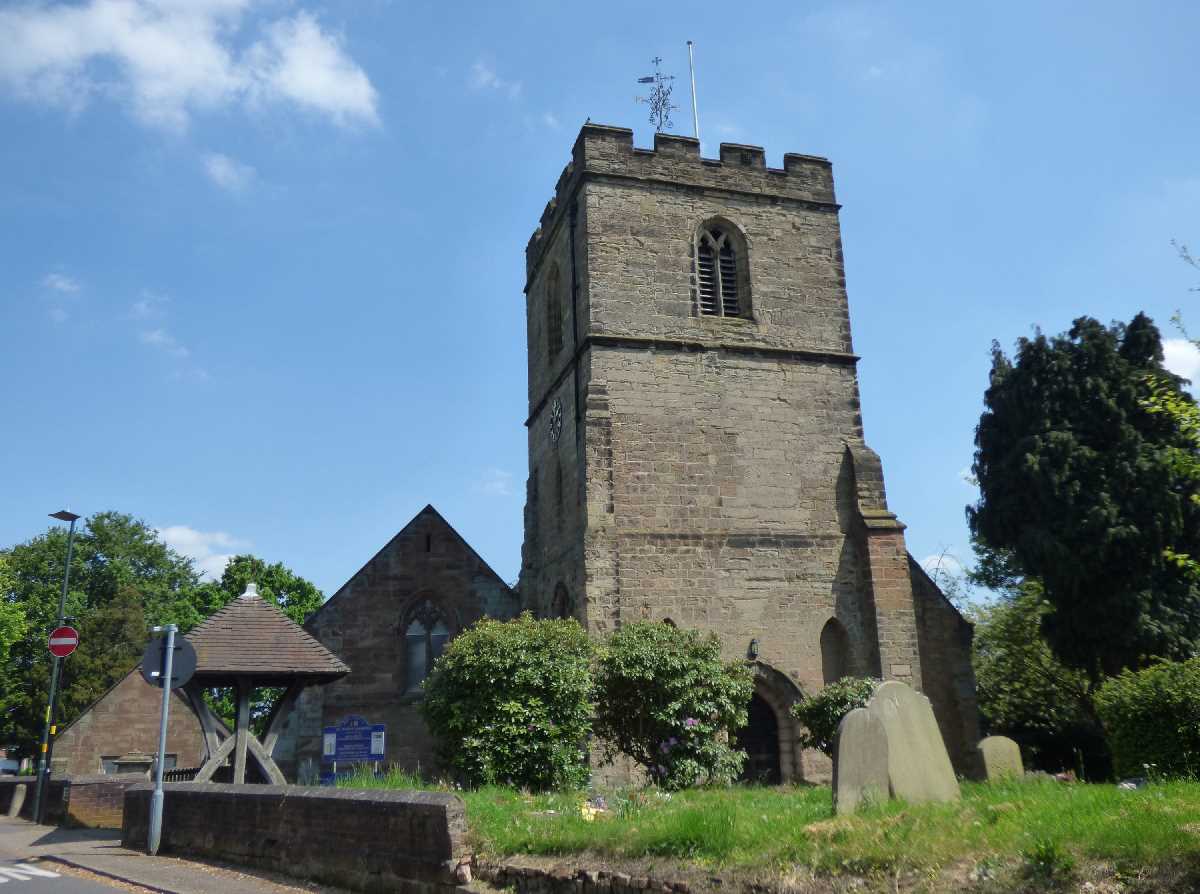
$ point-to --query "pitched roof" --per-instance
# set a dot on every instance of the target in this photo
(251, 637)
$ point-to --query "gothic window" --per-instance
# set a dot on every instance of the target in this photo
(721, 275)
(553, 313)
(425, 636)
(835, 651)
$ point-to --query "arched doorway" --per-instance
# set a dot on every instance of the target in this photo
(759, 738)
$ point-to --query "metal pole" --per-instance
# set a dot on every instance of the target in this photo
(692, 71)
(39, 806)
(156, 801)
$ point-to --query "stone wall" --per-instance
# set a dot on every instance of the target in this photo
(364, 624)
(362, 840)
(57, 793)
(949, 683)
(126, 719)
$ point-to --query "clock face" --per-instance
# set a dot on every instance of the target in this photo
(556, 420)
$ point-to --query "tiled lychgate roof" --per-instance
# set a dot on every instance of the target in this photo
(251, 637)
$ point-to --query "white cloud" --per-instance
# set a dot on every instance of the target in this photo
(167, 59)
(967, 477)
(149, 305)
(210, 550)
(228, 173)
(484, 77)
(60, 282)
(163, 341)
(1182, 357)
(550, 120)
(58, 315)
(497, 483)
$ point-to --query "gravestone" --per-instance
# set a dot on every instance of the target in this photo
(860, 762)
(919, 767)
(1000, 756)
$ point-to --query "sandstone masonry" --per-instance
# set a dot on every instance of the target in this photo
(711, 470)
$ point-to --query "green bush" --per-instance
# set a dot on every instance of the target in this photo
(820, 714)
(511, 703)
(1152, 718)
(667, 700)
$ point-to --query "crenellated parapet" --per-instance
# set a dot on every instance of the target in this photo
(604, 152)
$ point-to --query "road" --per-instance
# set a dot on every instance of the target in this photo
(35, 877)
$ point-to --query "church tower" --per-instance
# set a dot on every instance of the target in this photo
(696, 447)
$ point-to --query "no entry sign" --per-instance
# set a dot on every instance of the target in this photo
(63, 641)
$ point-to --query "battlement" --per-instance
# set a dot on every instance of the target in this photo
(602, 151)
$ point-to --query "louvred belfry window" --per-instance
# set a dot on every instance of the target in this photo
(718, 286)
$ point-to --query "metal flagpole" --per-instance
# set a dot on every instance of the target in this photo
(39, 797)
(692, 71)
(156, 801)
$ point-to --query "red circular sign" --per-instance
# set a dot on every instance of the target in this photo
(63, 641)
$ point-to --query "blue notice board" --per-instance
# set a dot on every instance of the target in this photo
(354, 739)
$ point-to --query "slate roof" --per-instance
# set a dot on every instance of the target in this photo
(251, 637)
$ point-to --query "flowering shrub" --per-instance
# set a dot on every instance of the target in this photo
(667, 700)
(511, 703)
(820, 714)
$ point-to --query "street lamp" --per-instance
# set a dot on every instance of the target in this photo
(44, 754)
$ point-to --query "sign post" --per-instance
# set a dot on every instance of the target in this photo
(162, 667)
(48, 732)
(156, 801)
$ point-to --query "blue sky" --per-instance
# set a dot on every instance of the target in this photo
(261, 265)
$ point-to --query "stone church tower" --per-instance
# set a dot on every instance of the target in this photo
(696, 448)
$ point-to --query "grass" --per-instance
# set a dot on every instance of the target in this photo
(1046, 825)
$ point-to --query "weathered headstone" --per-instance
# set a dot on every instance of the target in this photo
(1000, 756)
(919, 767)
(860, 762)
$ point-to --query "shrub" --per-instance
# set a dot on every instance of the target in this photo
(820, 714)
(511, 703)
(1152, 718)
(667, 700)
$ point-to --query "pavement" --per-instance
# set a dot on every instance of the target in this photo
(28, 852)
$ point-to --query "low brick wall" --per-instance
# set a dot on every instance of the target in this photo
(366, 840)
(57, 792)
(99, 801)
(95, 801)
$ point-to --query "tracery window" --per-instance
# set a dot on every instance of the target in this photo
(721, 280)
(425, 636)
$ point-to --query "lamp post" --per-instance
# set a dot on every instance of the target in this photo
(39, 799)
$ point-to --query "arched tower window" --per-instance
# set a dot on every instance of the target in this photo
(835, 651)
(425, 636)
(722, 281)
(553, 313)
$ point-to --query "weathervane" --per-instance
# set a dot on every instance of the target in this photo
(659, 99)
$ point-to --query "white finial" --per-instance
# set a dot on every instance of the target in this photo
(251, 591)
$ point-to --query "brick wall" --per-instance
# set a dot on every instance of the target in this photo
(362, 840)
(126, 719)
(57, 792)
(98, 801)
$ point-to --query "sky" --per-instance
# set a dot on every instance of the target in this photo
(261, 263)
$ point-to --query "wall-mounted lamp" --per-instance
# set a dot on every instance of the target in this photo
(753, 649)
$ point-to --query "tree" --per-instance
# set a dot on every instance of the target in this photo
(1079, 489)
(822, 713)
(666, 699)
(1026, 693)
(118, 562)
(510, 702)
